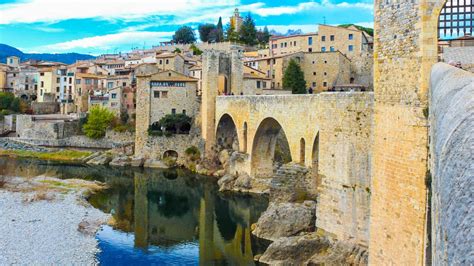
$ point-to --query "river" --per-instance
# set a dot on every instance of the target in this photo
(161, 217)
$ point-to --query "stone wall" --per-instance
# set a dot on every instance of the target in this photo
(155, 147)
(452, 165)
(465, 55)
(405, 50)
(343, 122)
(125, 137)
(78, 141)
(40, 108)
(31, 127)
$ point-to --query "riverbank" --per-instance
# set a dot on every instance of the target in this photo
(48, 221)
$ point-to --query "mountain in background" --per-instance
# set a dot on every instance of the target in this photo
(67, 58)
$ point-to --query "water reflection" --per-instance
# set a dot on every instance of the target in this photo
(164, 217)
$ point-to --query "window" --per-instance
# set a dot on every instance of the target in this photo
(323, 49)
(36, 87)
(310, 50)
(323, 38)
(258, 84)
(114, 95)
(42, 74)
(70, 80)
(331, 38)
(161, 62)
(314, 84)
(167, 61)
(57, 89)
(65, 79)
(264, 84)
(351, 36)
(14, 75)
(325, 62)
(173, 111)
(110, 85)
(42, 84)
(325, 84)
(26, 86)
(78, 81)
(332, 49)
(88, 81)
(351, 48)
(164, 94)
(310, 41)
(325, 74)
(41, 92)
(124, 84)
(156, 94)
(58, 80)
(184, 112)
(314, 73)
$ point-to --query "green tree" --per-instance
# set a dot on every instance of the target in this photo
(205, 31)
(15, 105)
(98, 120)
(231, 35)
(6, 99)
(294, 78)
(184, 35)
(196, 51)
(247, 31)
(175, 123)
(219, 31)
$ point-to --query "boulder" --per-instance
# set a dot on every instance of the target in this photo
(243, 181)
(121, 160)
(137, 161)
(296, 250)
(226, 182)
(224, 156)
(155, 163)
(286, 219)
(102, 159)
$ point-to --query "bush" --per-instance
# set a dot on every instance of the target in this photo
(6, 99)
(193, 153)
(98, 121)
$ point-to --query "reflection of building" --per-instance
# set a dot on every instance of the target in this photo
(169, 209)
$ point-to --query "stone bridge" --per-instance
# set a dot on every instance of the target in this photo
(327, 132)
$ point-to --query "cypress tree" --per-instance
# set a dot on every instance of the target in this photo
(294, 78)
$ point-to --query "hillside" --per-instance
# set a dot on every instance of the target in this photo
(67, 58)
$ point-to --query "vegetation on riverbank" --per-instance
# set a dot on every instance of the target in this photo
(62, 155)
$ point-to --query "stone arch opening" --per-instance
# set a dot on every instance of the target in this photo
(302, 150)
(226, 134)
(245, 137)
(315, 162)
(170, 155)
(270, 148)
(24, 97)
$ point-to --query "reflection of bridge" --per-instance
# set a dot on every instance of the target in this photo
(329, 132)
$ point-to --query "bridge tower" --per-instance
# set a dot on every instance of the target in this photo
(222, 73)
(405, 50)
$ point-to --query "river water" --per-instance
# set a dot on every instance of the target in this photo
(161, 217)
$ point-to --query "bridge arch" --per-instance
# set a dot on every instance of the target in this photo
(227, 136)
(270, 145)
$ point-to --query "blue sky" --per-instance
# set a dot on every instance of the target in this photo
(106, 26)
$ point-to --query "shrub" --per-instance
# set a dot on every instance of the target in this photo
(193, 153)
(6, 99)
(98, 121)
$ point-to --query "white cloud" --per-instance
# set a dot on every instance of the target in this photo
(325, 4)
(48, 29)
(109, 41)
(30, 11)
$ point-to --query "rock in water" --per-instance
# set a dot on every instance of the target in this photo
(296, 250)
(286, 219)
(243, 181)
(154, 163)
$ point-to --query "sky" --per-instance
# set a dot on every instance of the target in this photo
(109, 26)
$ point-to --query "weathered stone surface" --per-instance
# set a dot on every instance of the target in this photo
(452, 165)
(102, 159)
(286, 219)
(224, 157)
(290, 184)
(92, 156)
(243, 181)
(226, 182)
(137, 161)
(121, 160)
(153, 163)
(296, 250)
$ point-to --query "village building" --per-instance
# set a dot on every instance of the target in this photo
(85, 85)
(171, 61)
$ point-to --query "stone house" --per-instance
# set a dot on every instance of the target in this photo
(85, 85)
(171, 61)
(281, 45)
(255, 81)
(22, 81)
(171, 93)
(50, 83)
